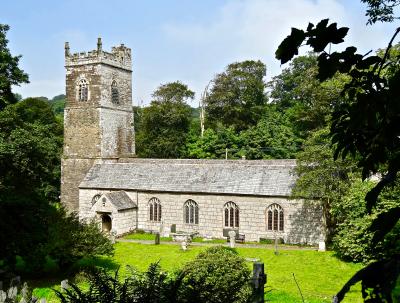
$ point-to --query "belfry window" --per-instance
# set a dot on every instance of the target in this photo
(83, 90)
(275, 218)
(191, 212)
(154, 210)
(231, 215)
(114, 93)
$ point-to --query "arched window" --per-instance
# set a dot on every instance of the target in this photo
(83, 90)
(114, 93)
(95, 199)
(231, 215)
(275, 219)
(154, 210)
(191, 212)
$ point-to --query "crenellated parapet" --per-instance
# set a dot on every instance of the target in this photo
(120, 56)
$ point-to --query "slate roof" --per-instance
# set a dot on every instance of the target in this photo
(244, 177)
(120, 200)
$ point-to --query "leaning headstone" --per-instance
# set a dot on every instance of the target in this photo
(113, 234)
(184, 245)
(232, 237)
(276, 252)
(24, 292)
(64, 284)
(321, 246)
(157, 239)
(3, 296)
(12, 292)
(258, 281)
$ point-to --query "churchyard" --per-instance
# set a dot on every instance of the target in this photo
(318, 274)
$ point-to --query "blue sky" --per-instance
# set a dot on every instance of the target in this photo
(186, 40)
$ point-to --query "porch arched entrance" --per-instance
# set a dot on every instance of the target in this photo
(106, 223)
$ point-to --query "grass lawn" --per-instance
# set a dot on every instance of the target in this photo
(145, 236)
(320, 275)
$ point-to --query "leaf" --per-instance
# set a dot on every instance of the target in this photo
(384, 223)
(367, 62)
(322, 35)
(290, 45)
(380, 277)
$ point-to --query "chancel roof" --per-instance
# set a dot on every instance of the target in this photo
(243, 177)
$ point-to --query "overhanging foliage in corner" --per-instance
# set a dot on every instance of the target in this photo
(365, 122)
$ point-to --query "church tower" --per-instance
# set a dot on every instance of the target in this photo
(98, 119)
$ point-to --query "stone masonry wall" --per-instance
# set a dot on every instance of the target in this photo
(303, 221)
(116, 119)
(72, 173)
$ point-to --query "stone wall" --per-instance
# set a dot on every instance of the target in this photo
(303, 221)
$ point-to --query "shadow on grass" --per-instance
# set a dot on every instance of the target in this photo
(54, 279)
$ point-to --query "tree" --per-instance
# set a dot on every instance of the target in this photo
(304, 99)
(237, 97)
(30, 149)
(165, 123)
(321, 177)
(353, 237)
(10, 73)
(366, 125)
(381, 10)
(33, 225)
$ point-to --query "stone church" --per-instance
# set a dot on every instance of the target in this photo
(102, 178)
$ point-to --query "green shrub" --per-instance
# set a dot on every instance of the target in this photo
(152, 286)
(353, 238)
(71, 240)
(217, 275)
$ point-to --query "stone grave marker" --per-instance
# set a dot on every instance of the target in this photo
(157, 239)
(232, 238)
(184, 245)
(321, 246)
(258, 281)
(64, 284)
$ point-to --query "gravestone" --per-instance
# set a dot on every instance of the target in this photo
(25, 291)
(64, 284)
(184, 245)
(173, 228)
(1, 285)
(258, 281)
(12, 292)
(113, 234)
(232, 237)
(157, 239)
(3, 296)
(321, 246)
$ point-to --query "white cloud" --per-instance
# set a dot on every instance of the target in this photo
(253, 29)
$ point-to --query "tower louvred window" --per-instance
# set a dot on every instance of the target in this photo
(114, 93)
(83, 90)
